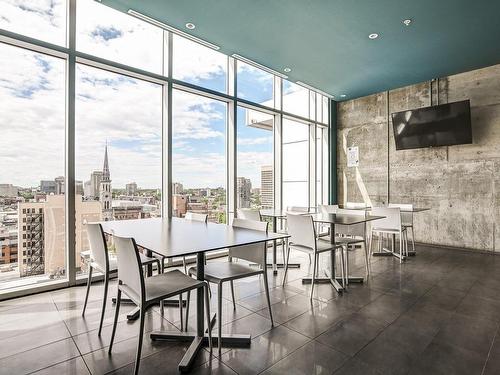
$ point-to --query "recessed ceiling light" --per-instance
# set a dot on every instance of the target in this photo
(190, 25)
(373, 36)
(407, 22)
(287, 70)
(343, 95)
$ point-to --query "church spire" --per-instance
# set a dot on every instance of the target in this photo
(105, 169)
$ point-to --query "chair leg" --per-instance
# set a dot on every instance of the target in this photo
(207, 313)
(139, 343)
(313, 276)
(342, 266)
(187, 310)
(115, 321)
(184, 264)
(159, 268)
(180, 312)
(104, 300)
(346, 251)
(219, 317)
(89, 281)
(266, 287)
(367, 258)
(400, 247)
(412, 239)
(286, 265)
(232, 294)
(309, 258)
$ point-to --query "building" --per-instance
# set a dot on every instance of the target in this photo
(105, 190)
(131, 189)
(8, 190)
(79, 187)
(95, 184)
(8, 246)
(177, 188)
(267, 186)
(59, 185)
(48, 187)
(243, 192)
(41, 234)
(179, 205)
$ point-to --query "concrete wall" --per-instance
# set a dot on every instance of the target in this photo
(461, 184)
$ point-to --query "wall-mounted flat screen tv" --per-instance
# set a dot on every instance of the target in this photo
(440, 125)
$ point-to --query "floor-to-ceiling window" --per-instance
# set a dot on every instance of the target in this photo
(32, 176)
(134, 84)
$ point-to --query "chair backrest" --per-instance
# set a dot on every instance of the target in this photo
(406, 217)
(392, 218)
(358, 230)
(354, 205)
(196, 216)
(248, 214)
(297, 209)
(301, 230)
(328, 208)
(254, 253)
(98, 248)
(129, 265)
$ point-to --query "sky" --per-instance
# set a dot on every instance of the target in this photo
(123, 112)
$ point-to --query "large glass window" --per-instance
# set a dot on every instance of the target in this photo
(255, 159)
(255, 85)
(40, 19)
(199, 156)
(295, 99)
(321, 165)
(118, 149)
(295, 163)
(113, 35)
(199, 65)
(32, 182)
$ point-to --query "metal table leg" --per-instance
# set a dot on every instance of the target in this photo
(390, 252)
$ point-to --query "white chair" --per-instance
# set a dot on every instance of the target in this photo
(248, 214)
(355, 205)
(146, 292)
(221, 272)
(350, 235)
(99, 260)
(406, 220)
(390, 225)
(303, 238)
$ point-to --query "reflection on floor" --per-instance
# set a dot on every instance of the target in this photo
(438, 313)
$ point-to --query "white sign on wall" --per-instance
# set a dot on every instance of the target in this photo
(353, 156)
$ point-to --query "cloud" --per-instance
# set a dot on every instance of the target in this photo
(255, 141)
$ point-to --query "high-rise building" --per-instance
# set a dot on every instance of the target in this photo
(41, 234)
(267, 186)
(59, 185)
(8, 190)
(177, 188)
(105, 189)
(131, 189)
(179, 205)
(8, 245)
(87, 190)
(95, 184)
(48, 187)
(79, 187)
(243, 192)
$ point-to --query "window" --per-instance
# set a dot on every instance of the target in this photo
(32, 119)
(255, 85)
(199, 65)
(295, 163)
(255, 159)
(40, 19)
(199, 156)
(118, 149)
(295, 99)
(321, 165)
(113, 35)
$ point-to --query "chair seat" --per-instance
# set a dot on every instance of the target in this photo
(164, 285)
(321, 246)
(224, 271)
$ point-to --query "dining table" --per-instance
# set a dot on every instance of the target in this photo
(175, 237)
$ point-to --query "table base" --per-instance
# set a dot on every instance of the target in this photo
(282, 265)
(134, 314)
(386, 253)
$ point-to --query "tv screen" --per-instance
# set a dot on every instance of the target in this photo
(441, 125)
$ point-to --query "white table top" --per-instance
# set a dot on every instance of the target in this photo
(178, 237)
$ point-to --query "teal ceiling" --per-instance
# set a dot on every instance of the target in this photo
(326, 44)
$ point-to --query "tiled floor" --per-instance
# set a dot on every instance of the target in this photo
(438, 313)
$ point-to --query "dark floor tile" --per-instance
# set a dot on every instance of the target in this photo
(213, 367)
(479, 307)
(290, 308)
(357, 367)
(312, 358)
(469, 333)
(442, 359)
(75, 366)
(387, 307)
(352, 334)
(39, 358)
(265, 351)
(444, 298)
(253, 325)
